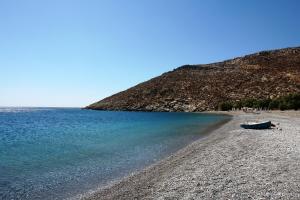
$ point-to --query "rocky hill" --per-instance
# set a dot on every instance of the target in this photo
(267, 74)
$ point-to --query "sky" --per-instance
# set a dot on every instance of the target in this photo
(70, 53)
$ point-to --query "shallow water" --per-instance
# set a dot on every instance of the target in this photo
(56, 153)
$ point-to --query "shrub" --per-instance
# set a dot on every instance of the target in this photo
(283, 105)
(274, 104)
(238, 104)
(291, 101)
(264, 103)
(248, 103)
(225, 106)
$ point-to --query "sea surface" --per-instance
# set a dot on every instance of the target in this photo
(58, 153)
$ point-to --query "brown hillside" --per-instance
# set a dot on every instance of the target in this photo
(266, 74)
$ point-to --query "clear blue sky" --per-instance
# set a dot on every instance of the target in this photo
(72, 53)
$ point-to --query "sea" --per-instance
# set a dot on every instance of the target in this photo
(61, 153)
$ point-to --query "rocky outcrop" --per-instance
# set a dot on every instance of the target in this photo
(190, 88)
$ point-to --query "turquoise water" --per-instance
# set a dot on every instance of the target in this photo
(56, 153)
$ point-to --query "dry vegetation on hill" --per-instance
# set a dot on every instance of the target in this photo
(267, 74)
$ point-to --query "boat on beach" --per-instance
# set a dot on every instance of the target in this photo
(256, 125)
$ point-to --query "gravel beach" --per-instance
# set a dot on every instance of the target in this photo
(230, 163)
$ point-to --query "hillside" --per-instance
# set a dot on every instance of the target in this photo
(267, 74)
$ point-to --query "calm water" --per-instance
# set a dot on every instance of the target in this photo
(55, 153)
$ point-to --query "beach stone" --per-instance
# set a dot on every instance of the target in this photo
(230, 163)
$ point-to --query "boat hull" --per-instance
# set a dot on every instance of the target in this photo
(264, 125)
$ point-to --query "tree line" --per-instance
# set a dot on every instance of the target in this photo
(288, 102)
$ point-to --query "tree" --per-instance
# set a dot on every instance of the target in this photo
(225, 106)
(274, 104)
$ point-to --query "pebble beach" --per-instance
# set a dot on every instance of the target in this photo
(230, 163)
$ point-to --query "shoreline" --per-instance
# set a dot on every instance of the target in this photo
(206, 132)
(228, 163)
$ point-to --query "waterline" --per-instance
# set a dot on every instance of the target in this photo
(59, 153)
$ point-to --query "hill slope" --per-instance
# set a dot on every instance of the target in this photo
(266, 74)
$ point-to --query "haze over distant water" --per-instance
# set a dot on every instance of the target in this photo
(49, 153)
